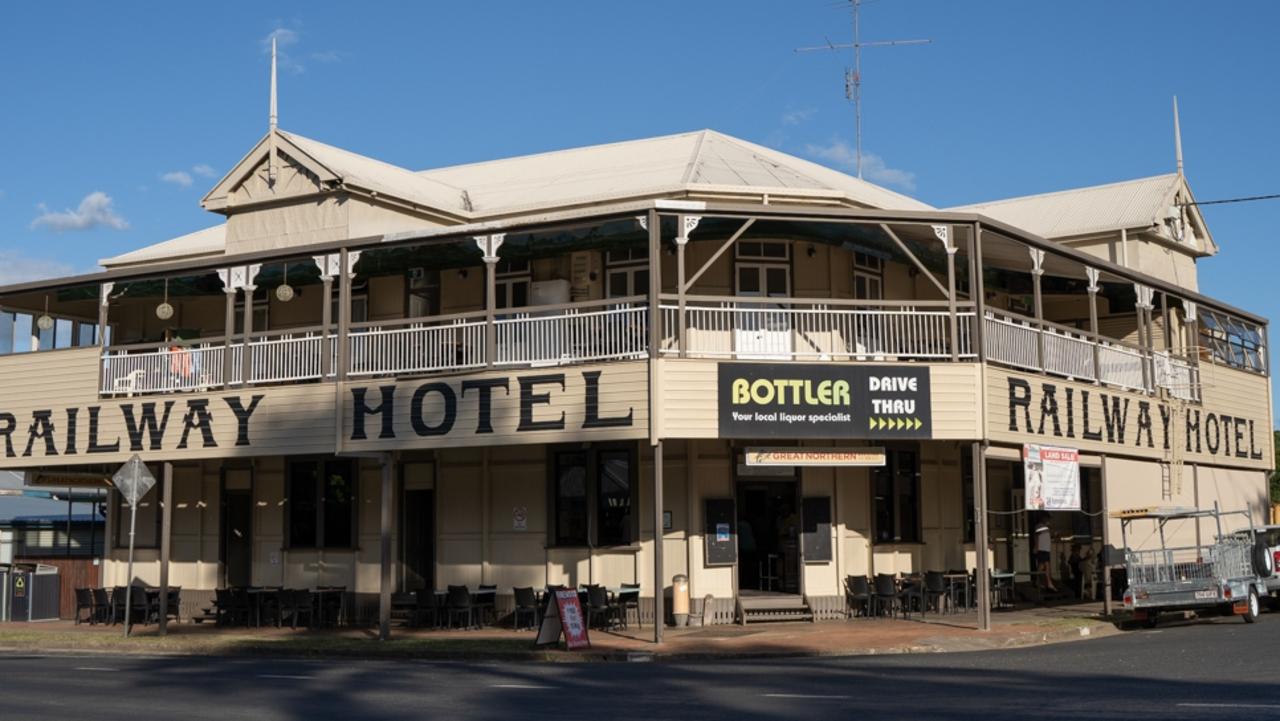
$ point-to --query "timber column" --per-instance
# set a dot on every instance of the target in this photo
(384, 548)
(489, 245)
(655, 289)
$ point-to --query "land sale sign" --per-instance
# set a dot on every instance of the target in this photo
(1052, 478)
(790, 400)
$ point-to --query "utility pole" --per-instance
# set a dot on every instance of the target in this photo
(853, 76)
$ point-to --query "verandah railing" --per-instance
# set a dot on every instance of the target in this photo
(1014, 340)
(812, 329)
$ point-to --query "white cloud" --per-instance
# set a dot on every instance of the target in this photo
(796, 117)
(204, 171)
(94, 211)
(838, 152)
(285, 38)
(18, 268)
(180, 178)
(328, 56)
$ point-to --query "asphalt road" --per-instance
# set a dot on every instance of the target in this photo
(1218, 670)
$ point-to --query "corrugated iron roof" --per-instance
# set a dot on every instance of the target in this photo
(210, 241)
(1081, 211)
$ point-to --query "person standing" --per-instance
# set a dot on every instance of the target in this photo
(1044, 551)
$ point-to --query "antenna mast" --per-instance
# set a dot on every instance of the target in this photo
(853, 76)
(271, 118)
(1177, 135)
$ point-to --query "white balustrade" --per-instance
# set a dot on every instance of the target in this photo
(162, 370)
(572, 336)
(759, 330)
(417, 348)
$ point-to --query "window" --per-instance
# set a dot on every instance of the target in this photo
(593, 497)
(897, 497)
(868, 277)
(1232, 341)
(359, 303)
(626, 273)
(779, 250)
(511, 286)
(321, 505)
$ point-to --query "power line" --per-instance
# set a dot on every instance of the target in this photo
(1273, 196)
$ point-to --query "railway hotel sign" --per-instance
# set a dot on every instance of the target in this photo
(788, 400)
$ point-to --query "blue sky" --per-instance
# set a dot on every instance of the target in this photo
(118, 117)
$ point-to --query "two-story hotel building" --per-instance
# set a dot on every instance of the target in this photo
(576, 367)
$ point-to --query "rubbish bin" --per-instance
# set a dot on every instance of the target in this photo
(680, 599)
(33, 593)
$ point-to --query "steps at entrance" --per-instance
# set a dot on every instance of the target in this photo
(776, 607)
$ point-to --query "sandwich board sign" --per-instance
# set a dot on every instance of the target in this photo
(568, 619)
(133, 481)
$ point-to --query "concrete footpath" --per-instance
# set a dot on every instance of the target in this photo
(928, 634)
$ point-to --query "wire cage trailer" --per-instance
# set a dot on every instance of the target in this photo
(33, 592)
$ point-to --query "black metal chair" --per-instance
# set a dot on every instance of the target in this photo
(857, 595)
(628, 600)
(934, 592)
(887, 596)
(424, 609)
(101, 605)
(485, 600)
(598, 607)
(241, 607)
(459, 604)
(140, 606)
(295, 605)
(84, 605)
(526, 604)
(117, 604)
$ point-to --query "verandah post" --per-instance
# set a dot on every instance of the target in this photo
(384, 548)
(166, 533)
(983, 580)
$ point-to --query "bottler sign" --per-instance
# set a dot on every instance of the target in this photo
(787, 400)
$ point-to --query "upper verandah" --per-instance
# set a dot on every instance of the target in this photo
(294, 205)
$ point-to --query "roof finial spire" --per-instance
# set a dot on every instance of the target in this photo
(271, 118)
(1177, 135)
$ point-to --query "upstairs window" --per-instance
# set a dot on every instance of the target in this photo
(1232, 341)
(868, 277)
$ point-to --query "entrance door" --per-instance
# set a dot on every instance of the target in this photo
(763, 330)
(237, 537)
(768, 536)
(419, 539)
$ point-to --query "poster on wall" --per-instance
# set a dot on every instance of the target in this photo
(1052, 478)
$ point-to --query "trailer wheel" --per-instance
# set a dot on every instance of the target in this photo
(1254, 609)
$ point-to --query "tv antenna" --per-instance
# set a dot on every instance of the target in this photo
(853, 76)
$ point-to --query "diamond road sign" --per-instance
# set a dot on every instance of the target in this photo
(133, 480)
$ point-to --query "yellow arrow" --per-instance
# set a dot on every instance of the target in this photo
(918, 424)
(872, 423)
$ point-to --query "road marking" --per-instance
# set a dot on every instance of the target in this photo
(285, 676)
(516, 685)
(94, 668)
(803, 695)
(1230, 705)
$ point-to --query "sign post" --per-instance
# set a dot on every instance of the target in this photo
(133, 481)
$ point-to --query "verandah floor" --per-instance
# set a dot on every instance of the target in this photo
(947, 632)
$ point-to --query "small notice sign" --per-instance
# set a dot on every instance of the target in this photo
(519, 518)
(567, 619)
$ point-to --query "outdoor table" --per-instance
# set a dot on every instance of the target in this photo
(320, 593)
(957, 581)
(998, 579)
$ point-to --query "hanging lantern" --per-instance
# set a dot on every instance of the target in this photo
(45, 322)
(164, 311)
(284, 291)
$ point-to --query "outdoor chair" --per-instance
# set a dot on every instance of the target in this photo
(174, 603)
(628, 600)
(486, 603)
(84, 606)
(526, 604)
(459, 605)
(857, 595)
(241, 607)
(888, 597)
(117, 604)
(424, 609)
(598, 607)
(296, 604)
(934, 591)
(140, 607)
(330, 600)
(101, 605)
